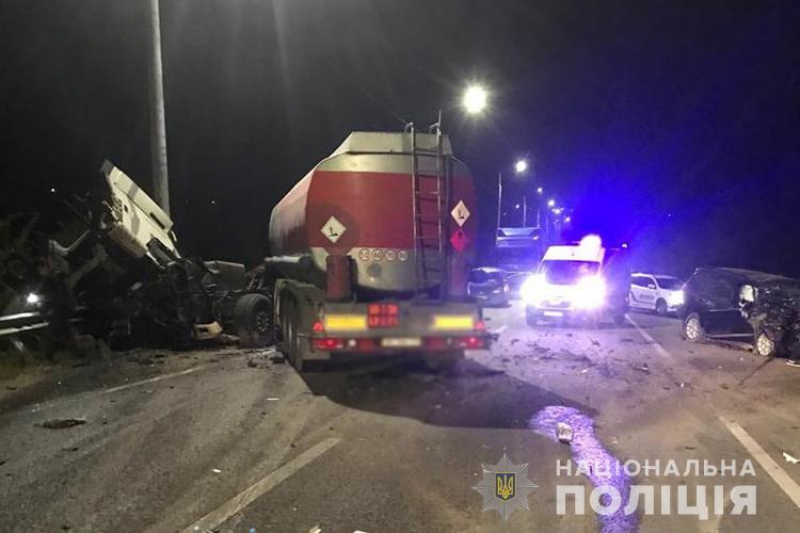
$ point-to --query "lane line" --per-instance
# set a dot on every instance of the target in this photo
(656, 346)
(153, 380)
(778, 474)
(217, 517)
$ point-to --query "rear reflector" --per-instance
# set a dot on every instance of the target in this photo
(345, 322)
(471, 342)
(328, 344)
(383, 315)
(453, 322)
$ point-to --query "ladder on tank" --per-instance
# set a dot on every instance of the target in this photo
(430, 182)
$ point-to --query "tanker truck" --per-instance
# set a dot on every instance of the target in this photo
(370, 253)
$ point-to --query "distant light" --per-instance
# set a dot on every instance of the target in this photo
(475, 99)
(516, 206)
(521, 166)
(32, 298)
(52, 189)
(540, 190)
(551, 203)
(567, 219)
(213, 202)
(624, 244)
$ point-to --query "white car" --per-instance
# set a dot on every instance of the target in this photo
(654, 292)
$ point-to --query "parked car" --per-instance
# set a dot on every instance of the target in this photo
(730, 303)
(655, 292)
(487, 285)
(515, 280)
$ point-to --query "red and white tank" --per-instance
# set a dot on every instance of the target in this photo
(360, 202)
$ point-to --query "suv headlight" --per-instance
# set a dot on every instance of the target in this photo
(675, 299)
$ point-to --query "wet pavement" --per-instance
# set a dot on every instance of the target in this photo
(234, 441)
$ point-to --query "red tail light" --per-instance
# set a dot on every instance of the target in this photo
(318, 327)
(480, 326)
(328, 344)
(383, 315)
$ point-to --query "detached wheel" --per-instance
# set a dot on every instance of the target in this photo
(693, 330)
(764, 345)
(253, 316)
(661, 307)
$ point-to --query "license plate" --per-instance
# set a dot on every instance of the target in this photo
(553, 313)
(401, 342)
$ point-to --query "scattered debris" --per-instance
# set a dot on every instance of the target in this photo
(216, 470)
(273, 399)
(251, 363)
(277, 359)
(790, 459)
(564, 432)
(70, 449)
(11, 387)
(585, 370)
(595, 342)
(643, 368)
(315, 529)
(724, 386)
(63, 423)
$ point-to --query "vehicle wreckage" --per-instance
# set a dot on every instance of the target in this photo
(116, 270)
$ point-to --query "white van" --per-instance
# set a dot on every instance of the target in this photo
(583, 281)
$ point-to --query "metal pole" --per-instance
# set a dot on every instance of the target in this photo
(524, 211)
(499, 197)
(158, 130)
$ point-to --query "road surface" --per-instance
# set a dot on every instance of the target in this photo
(236, 441)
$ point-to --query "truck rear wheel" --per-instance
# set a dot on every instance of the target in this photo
(253, 316)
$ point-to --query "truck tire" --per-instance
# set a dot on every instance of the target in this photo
(253, 317)
(442, 361)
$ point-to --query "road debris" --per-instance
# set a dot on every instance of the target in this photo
(643, 368)
(315, 529)
(70, 449)
(273, 399)
(216, 470)
(564, 432)
(790, 458)
(251, 363)
(63, 423)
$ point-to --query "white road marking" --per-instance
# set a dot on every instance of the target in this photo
(656, 346)
(501, 329)
(217, 517)
(778, 474)
(153, 380)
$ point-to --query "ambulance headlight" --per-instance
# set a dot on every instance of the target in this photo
(531, 290)
(590, 293)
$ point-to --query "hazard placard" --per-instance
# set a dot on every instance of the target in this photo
(460, 213)
(333, 229)
(459, 240)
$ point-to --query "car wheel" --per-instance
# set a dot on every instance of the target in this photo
(661, 308)
(693, 330)
(763, 344)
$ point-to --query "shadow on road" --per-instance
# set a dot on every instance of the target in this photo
(470, 395)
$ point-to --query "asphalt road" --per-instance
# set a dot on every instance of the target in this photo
(238, 441)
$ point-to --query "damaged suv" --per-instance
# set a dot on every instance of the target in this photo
(737, 304)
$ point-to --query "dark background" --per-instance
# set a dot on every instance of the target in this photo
(672, 125)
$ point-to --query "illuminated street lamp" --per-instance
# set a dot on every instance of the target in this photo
(475, 99)
(551, 203)
(539, 190)
(521, 166)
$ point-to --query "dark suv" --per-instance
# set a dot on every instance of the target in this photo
(732, 303)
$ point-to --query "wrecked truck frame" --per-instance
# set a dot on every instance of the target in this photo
(123, 277)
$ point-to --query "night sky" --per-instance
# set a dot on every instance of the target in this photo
(672, 125)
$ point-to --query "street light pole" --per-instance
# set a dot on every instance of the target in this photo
(158, 130)
(524, 211)
(499, 197)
